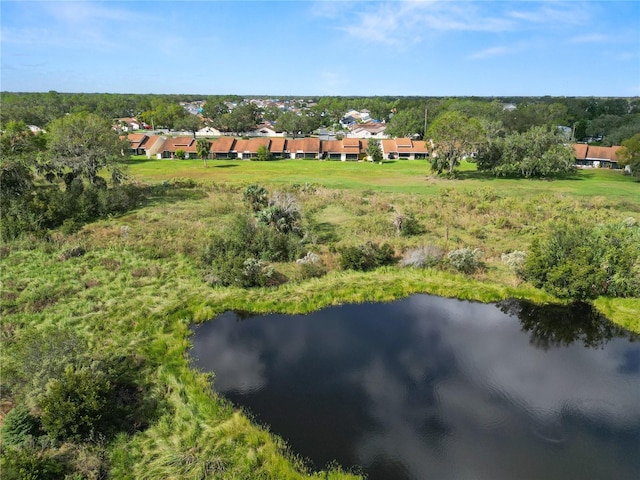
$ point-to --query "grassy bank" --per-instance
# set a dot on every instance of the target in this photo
(135, 283)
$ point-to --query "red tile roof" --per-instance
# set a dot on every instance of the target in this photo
(602, 153)
(222, 145)
(149, 141)
(404, 145)
(389, 146)
(188, 144)
(277, 145)
(580, 150)
(306, 145)
(332, 146)
(136, 139)
(351, 143)
(251, 145)
(420, 146)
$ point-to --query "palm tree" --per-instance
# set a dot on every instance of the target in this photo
(202, 147)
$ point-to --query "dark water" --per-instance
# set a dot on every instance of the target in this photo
(432, 388)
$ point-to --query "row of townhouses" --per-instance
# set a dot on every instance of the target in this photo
(348, 149)
(158, 146)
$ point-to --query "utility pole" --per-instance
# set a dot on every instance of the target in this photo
(424, 135)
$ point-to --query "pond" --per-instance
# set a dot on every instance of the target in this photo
(428, 387)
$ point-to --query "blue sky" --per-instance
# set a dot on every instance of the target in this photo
(323, 48)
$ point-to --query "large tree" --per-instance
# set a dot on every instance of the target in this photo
(190, 123)
(213, 110)
(241, 119)
(298, 123)
(84, 143)
(630, 154)
(538, 152)
(163, 114)
(406, 123)
(535, 114)
(454, 136)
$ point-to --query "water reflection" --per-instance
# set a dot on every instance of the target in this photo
(437, 388)
(557, 325)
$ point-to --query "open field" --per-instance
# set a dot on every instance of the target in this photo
(406, 176)
(139, 283)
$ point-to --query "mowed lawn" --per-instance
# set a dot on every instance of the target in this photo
(408, 176)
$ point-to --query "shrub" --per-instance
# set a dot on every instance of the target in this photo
(180, 154)
(465, 260)
(422, 257)
(227, 252)
(578, 261)
(30, 463)
(407, 225)
(282, 213)
(256, 196)
(255, 273)
(515, 261)
(19, 425)
(263, 154)
(37, 356)
(367, 257)
(77, 406)
(49, 207)
(311, 266)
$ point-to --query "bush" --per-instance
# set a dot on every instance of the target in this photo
(226, 253)
(37, 356)
(422, 257)
(407, 225)
(263, 154)
(465, 260)
(256, 196)
(515, 261)
(77, 406)
(48, 207)
(282, 213)
(255, 273)
(580, 262)
(311, 266)
(30, 463)
(367, 257)
(19, 425)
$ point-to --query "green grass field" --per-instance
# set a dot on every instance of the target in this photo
(402, 176)
(139, 284)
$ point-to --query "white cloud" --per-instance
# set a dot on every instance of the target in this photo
(591, 38)
(397, 23)
(81, 12)
(490, 52)
(401, 22)
(553, 13)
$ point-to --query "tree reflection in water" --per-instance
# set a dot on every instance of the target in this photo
(560, 325)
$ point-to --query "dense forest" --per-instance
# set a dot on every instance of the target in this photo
(608, 121)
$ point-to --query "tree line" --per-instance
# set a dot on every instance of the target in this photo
(58, 178)
(606, 120)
